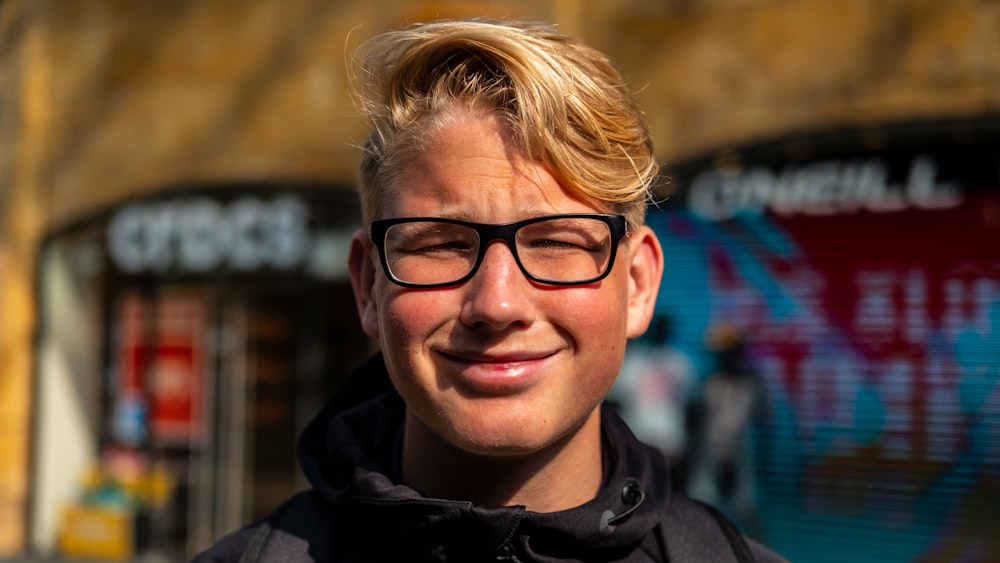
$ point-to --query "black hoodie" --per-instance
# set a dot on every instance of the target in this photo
(358, 509)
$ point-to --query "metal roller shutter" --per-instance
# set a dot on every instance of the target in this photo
(863, 270)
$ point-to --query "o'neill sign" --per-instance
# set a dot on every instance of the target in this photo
(826, 187)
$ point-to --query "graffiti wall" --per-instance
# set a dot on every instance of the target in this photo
(865, 280)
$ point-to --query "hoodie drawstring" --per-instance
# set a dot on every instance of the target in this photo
(632, 496)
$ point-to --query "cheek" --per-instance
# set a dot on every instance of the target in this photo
(407, 317)
(596, 319)
(596, 323)
(609, 325)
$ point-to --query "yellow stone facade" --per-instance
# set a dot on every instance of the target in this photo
(103, 100)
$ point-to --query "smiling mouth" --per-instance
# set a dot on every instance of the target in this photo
(498, 359)
(498, 374)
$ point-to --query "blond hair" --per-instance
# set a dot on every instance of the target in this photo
(565, 104)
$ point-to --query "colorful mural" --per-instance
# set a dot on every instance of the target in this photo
(867, 287)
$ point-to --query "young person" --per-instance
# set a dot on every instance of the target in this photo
(503, 267)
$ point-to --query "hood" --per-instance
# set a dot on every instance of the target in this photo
(350, 456)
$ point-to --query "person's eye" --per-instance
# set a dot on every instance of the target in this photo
(438, 246)
(565, 242)
(564, 235)
(424, 239)
(555, 243)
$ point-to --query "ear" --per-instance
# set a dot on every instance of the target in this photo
(361, 267)
(645, 271)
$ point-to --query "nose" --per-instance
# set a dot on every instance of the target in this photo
(498, 295)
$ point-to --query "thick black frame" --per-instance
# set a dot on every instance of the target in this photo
(505, 232)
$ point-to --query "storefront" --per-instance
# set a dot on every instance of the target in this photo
(862, 270)
(183, 342)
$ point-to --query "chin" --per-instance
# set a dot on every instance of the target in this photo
(504, 446)
(504, 436)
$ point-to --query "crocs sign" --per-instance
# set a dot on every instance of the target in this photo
(202, 234)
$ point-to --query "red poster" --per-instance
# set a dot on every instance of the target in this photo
(161, 359)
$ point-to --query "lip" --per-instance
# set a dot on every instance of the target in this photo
(497, 374)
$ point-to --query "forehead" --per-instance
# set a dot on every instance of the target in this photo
(470, 168)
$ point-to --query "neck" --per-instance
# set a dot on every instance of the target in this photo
(563, 475)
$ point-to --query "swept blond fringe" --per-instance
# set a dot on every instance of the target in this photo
(565, 103)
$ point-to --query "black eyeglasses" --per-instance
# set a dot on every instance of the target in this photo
(569, 249)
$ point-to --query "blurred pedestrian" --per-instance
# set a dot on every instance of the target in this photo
(733, 403)
(652, 394)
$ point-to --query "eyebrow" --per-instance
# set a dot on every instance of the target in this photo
(525, 212)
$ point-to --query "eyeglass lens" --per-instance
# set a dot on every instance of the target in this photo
(562, 250)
